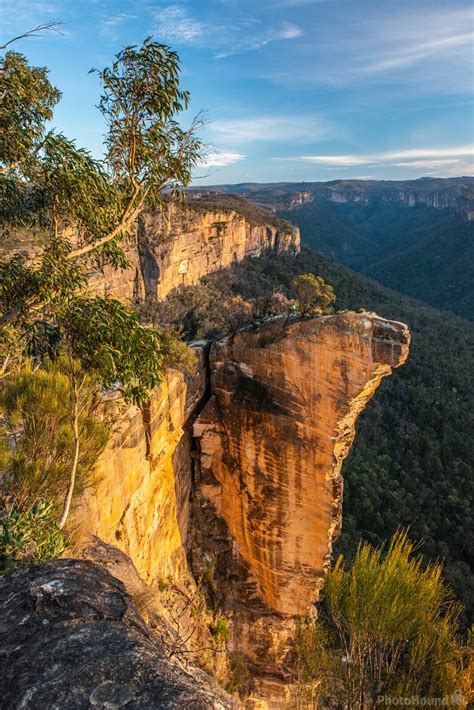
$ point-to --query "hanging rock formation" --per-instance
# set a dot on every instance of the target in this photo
(275, 433)
(231, 478)
(272, 439)
(248, 505)
(255, 496)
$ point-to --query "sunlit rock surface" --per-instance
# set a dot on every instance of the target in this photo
(234, 474)
(272, 437)
(183, 243)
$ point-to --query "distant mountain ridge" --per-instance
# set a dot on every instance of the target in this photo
(416, 236)
(441, 193)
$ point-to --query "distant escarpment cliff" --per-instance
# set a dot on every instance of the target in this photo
(183, 242)
(415, 236)
(440, 193)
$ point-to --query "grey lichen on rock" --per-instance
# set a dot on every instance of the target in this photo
(71, 637)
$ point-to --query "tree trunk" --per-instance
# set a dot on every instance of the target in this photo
(72, 475)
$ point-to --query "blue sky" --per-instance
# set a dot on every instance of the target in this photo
(293, 89)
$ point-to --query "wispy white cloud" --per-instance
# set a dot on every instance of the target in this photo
(25, 14)
(269, 128)
(413, 37)
(424, 46)
(286, 31)
(222, 159)
(112, 25)
(415, 53)
(174, 23)
(342, 160)
(411, 158)
(433, 163)
(461, 151)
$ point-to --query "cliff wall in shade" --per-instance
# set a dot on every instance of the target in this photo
(182, 243)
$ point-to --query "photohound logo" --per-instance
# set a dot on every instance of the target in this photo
(455, 700)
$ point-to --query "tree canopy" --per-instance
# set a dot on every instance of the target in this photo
(60, 346)
(313, 294)
(27, 102)
(84, 207)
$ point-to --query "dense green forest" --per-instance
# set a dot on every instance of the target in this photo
(421, 251)
(412, 460)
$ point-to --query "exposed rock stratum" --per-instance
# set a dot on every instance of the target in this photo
(238, 470)
(228, 485)
(272, 439)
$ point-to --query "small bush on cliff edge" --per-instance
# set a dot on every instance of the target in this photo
(313, 294)
(388, 628)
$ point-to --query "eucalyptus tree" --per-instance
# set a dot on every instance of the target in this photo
(313, 294)
(84, 206)
(83, 209)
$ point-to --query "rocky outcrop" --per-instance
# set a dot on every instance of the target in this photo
(272, 439)
(72, 637)
(182, 243)
(140, 499)
(233, 477)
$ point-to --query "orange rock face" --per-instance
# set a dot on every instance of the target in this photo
(272, 439)
(253, 502)
(275, 434)
(140, 499)
(181, 244)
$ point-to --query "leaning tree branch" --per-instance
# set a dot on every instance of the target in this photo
(129, 215)
(12, 166)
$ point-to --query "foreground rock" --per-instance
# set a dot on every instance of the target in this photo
(71, 637)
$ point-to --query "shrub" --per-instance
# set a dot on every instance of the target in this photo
(239, 679)
(37, 436)
(388, 628)
(29, 536)
(220, 629)
(313, 294)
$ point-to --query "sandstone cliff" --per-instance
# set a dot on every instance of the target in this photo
(182, 243)
(274, 435)
(272, 439)
(221, 499)
(234, 476)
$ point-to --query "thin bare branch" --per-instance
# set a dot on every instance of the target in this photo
(51, 26)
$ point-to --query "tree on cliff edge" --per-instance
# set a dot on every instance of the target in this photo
(313, 294)
(48, 183)
(83, 210)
